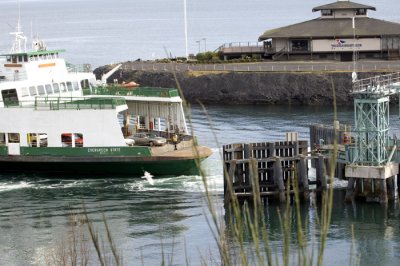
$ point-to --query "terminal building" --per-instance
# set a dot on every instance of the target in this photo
(343, 29)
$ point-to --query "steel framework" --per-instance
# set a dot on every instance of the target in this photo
(371, 111)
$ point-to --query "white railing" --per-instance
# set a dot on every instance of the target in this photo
(383, 84)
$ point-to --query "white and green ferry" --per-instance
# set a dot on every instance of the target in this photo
(57, 120)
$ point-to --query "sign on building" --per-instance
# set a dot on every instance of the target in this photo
(346, 45)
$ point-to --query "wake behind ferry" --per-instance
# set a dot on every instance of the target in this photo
(56, 119)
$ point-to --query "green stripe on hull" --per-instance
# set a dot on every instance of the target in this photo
(155, 167)
(86, 151)
(3, 150)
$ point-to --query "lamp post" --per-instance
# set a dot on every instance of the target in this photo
(205, 44)
(186, 30)
(198, 42)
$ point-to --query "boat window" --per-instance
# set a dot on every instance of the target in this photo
(8, 58)
(40, 89)
(63, 87)
(10, 97)
(49, 89)
(56, 88)
(33, 139)
(32, 90)
(76, 85)
(67, 141)
(24, 92)
(25, 58)
(85, 84)
(2, 139)
(78, 140)
(69, 86)
(14, 59)
(13, 137)
(20, 58)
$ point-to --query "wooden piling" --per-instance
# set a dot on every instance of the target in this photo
(278, 180)
(383, 197)
(391, 189)
(351, 190)
(321, 177)
(303, 178)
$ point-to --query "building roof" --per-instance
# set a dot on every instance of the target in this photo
(328, 28)
(340, 5)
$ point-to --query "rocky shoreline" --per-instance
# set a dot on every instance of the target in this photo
(279, 88)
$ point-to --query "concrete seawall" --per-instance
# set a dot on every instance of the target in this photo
(280, 88)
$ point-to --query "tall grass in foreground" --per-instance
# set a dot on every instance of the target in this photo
(240, 230)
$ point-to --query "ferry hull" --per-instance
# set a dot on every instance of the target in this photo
(99, 166)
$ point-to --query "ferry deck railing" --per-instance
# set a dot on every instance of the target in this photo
(66, 103)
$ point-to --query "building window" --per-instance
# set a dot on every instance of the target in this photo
(299, 45)
(326, 12)
(361, 12)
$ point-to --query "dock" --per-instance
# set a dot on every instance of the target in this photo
(271, 170)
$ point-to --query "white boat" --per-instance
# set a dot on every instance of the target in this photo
(58, 119)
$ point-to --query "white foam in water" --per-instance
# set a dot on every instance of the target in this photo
(14, 186)
(148, 177)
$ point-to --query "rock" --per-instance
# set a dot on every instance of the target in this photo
(280, 88)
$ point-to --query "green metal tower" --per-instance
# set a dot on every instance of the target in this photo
(371, 110)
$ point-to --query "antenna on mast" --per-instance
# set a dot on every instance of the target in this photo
(20, 39)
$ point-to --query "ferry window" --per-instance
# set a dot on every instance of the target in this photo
(85, 84)
(8, 58)
(56, 88)
(24, 91)
(78, 140)
(13, 137)
(32, 90)
(69, 86)
(76, 85)
(299, 45)
(2, 139)
(25, 58)
(63, 87)
(41, 90)
(20, 58)
(10, 97)
(66, 139)
(49, 89)
(14, 59)
(33, 139)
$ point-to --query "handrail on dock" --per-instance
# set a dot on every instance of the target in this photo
(382, 84)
